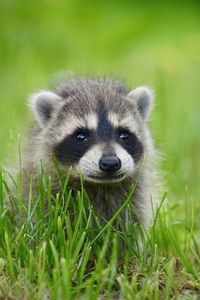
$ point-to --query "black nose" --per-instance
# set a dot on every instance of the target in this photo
(109, 163)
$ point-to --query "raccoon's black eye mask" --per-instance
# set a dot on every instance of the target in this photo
(74, 146)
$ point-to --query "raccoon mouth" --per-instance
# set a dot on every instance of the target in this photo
(106, 178)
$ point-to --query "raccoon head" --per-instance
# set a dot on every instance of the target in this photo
(98, 128)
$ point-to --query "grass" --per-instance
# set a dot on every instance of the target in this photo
(155, 43)
(66, 254)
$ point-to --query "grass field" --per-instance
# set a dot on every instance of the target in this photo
(156, 44)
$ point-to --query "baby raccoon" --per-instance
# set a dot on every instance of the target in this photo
(100, 128)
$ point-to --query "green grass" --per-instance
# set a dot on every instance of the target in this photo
(152, 43)
(65, 253)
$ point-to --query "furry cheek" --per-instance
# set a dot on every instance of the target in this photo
(89, 163)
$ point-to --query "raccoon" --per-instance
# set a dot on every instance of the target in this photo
(100, 128)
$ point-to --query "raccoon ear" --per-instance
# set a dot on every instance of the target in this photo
(42, 105)
(144, 98)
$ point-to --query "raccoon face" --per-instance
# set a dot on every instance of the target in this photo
(101, 135)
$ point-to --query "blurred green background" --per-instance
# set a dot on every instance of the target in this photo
(144, 42)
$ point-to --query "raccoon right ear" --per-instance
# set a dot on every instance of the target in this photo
(42, 105)
(143, 97)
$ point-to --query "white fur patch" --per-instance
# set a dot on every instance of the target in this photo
(113, 119)
(92, 121)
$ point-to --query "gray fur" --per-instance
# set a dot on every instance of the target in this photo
(73, 101)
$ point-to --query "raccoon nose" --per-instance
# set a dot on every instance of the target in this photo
(109, 163)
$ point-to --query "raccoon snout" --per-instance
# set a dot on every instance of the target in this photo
(110, 164)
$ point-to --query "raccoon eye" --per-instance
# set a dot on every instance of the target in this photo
(124, 135)
(81, 136)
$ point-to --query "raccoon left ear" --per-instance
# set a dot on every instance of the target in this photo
(144, 98)
(42, 105)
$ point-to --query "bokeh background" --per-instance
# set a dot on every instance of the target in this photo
(156, 43)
